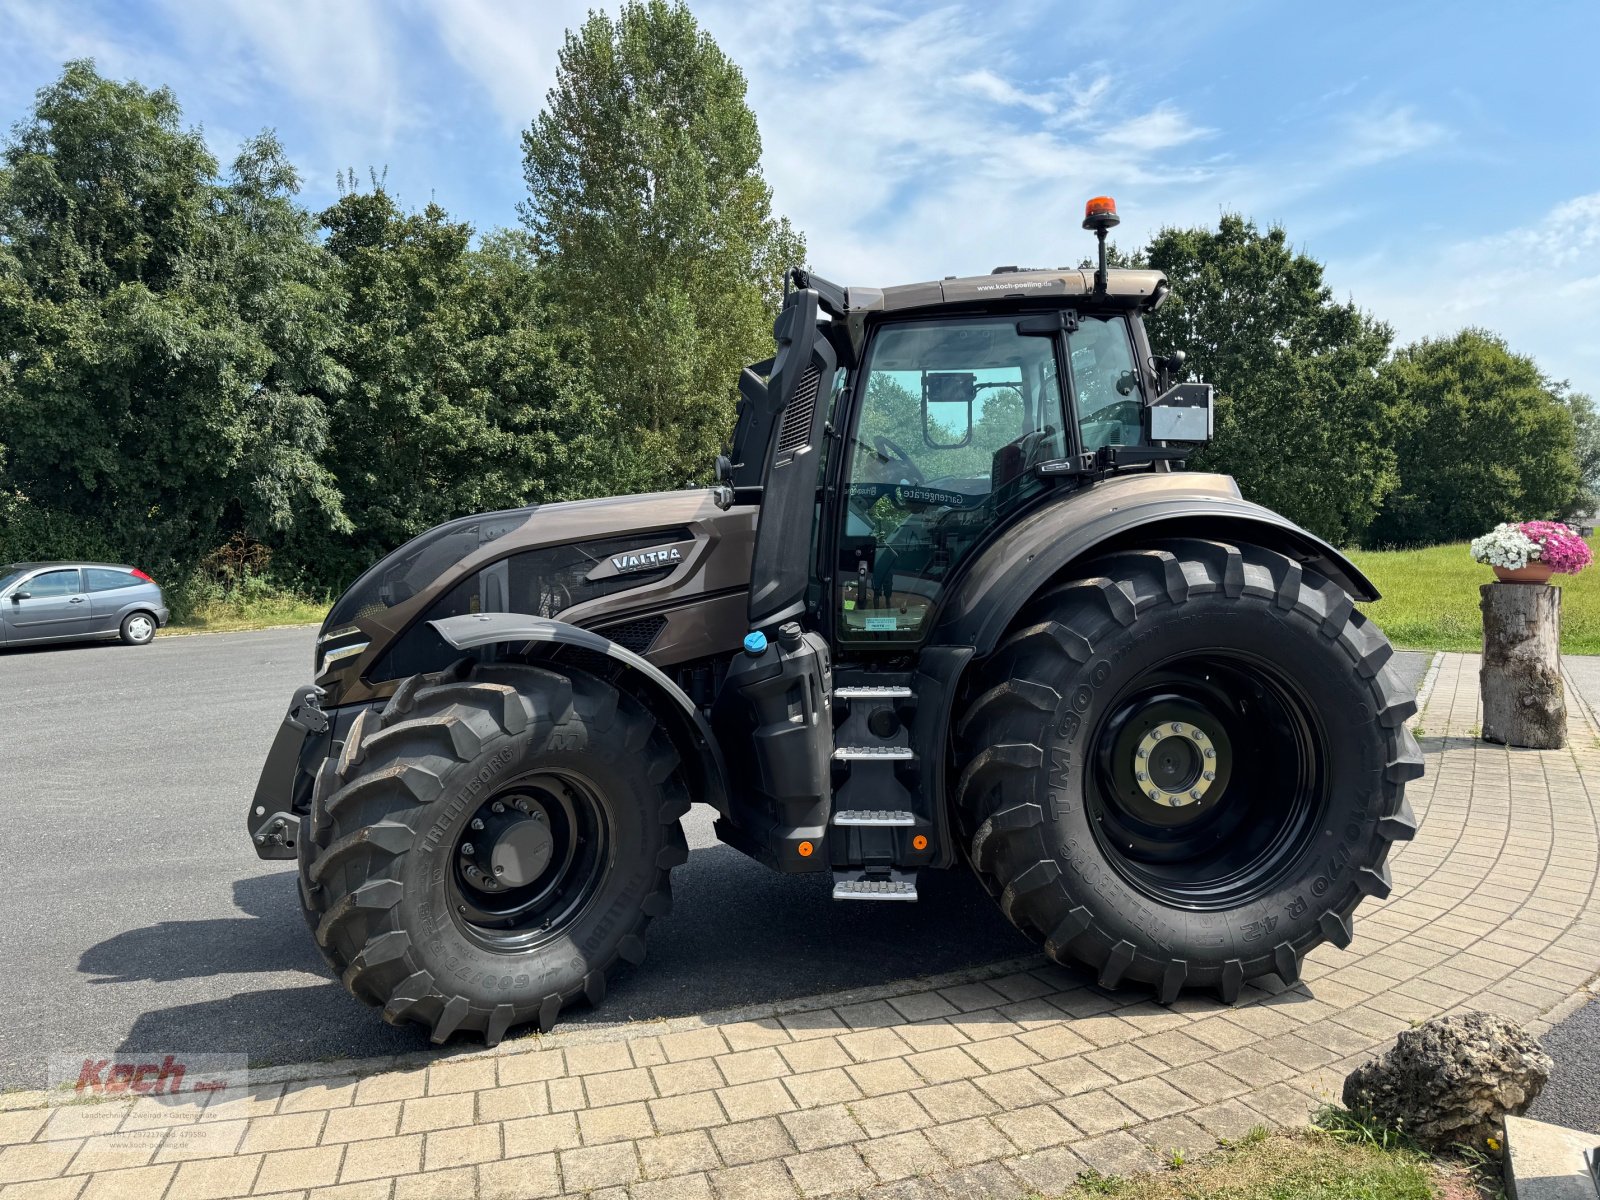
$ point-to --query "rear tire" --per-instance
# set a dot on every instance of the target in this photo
(1229, 866)
(138, 629)
(572, 785)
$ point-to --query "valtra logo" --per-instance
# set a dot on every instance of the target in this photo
(646, 559)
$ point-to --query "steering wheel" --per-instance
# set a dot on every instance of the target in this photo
(889, 449)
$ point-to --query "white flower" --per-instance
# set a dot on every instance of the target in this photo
(1505, 546)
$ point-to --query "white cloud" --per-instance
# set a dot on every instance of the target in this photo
(1537, 285)
(342, 60)
(508, 48)
(1378, 135)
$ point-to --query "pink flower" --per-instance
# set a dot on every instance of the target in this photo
(1558, 546)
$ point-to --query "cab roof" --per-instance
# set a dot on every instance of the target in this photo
(1124, 289)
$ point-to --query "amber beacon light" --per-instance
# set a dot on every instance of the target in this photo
(1100, 213)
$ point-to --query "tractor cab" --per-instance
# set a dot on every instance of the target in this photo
(897, 428)
(895, 435)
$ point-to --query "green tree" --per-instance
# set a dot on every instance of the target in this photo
(1302, 422)
(166, 333)
(462, 398)
(1483, 438)
(1586, 430)
(650, 216)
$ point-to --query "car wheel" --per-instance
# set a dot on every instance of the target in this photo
(138, 629)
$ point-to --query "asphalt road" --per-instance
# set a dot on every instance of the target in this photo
(135, 917)
(1572, 1097)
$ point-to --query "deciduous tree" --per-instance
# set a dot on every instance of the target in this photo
(650, 215)
(1483, 438)
(165, 331)
(463, 397)
(1302, 422)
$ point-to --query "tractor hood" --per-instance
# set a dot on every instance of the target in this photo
(588, 561)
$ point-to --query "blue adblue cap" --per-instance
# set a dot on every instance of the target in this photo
(755, 642)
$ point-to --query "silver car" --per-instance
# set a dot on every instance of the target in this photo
(69, 602)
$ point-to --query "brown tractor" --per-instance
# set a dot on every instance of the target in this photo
(952, 600)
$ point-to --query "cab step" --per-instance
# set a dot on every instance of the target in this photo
(870, 753)
(874, 817)
(872, 692)
(858, 885)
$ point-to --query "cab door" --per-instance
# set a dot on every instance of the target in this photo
(51, 604)
(951, 416)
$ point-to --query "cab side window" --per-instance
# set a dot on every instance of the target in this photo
(1105, 383)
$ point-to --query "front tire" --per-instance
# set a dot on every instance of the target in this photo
(1187, 768)
(491, 846)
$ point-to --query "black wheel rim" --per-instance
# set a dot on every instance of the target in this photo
(1208, 780)
(529, 860)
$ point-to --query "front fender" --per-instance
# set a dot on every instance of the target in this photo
(542, 637)
(1026, 557)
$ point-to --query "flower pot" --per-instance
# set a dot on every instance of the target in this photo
(1534, 572)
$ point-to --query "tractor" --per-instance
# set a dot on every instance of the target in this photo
(952, 599)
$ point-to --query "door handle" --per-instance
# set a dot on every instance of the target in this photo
(76, 600)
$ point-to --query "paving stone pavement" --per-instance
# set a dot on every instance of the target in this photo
(986, 1084)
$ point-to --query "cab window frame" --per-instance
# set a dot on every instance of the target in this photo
(828, 610)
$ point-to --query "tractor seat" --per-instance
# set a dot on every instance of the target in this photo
(1017, 458)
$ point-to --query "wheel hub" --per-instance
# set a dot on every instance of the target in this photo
(510, 845)
(1175, 764)
(1179, 812)
(527, 860)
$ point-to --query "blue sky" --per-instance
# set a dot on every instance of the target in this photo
(1443, 159)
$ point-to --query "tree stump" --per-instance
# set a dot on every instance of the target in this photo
(1524, 703)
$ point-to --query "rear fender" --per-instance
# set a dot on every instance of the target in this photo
(540, 639)
(1050, 541)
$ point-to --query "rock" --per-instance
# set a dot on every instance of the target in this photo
(1452, 1081)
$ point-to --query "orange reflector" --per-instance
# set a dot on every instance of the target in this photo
(919, 842)
(805, 849)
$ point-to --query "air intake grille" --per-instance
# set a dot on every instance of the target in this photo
(638, 635)
(796, 428)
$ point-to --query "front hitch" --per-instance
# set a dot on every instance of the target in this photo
(273, 825)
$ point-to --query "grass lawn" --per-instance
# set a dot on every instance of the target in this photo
(1430, 599)
(227, 616)
(1310, 1165)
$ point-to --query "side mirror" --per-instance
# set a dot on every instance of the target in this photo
(1182, 413)
(954, 393)
(15, 596)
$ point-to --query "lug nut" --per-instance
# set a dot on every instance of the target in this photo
(1195, 793)
(498, 807)
(466, 848)
(477, 823)
(1177, 727)
(1211, 753)
(1210, 775)
(499, 870)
